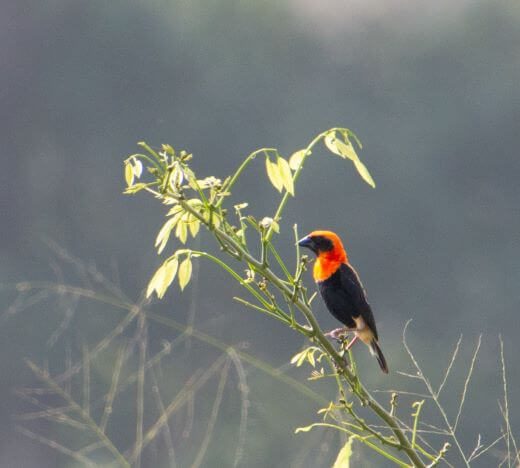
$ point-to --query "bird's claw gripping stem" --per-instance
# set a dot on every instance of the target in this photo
(339, 333)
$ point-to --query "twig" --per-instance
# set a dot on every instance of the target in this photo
(109, 399)
(56, 446)
(193, 384)
(466, 383)
(166, 432)
(244, 407)
(429, 387)
(78, 409)
(213, 417)
(447, 373)
(142, 338)
(506, 405)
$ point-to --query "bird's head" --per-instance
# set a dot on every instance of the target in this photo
(325, 244)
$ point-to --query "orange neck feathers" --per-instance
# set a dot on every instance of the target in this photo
(329, 261)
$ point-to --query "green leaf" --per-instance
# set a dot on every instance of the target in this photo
(286, 175)
(181, 232)
(330, 143)
(170, 270)
(134, 188)
(310, 358)
(185, 272)
(138, 168)
(363, 172)
(347, 151)
(176, 177)
(344, 455)
(129, 174)
(194, 225)
(273, 172)
(168, 149)
(296, 159)
(302, 358)
(156, 281)
(343, 149)
(296, 358)
(165, 231)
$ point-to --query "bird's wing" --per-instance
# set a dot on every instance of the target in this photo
(351, 284)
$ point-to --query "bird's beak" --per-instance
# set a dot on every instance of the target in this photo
(306, 242)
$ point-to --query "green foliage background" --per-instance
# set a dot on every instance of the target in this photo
(432, 90)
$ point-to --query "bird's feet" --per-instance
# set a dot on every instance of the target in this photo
(339, 334)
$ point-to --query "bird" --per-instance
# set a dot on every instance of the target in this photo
(342, 292)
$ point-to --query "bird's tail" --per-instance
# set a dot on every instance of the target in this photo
(375, 350)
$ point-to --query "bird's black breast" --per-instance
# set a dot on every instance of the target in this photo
(345, 297)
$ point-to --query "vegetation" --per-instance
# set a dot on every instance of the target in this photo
(394, 429)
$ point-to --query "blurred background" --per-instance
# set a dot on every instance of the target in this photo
(432, 90)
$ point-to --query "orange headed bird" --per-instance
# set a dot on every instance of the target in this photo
(343, 292)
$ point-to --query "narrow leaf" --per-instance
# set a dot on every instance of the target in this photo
(285, 174)
(170, 270)
(176, 177)
(302, 358)
(164, 233)
(343, 149)
(330, 143)
(296, 159)
(138, 167)
(363, 172)
(156, 280)
(194, 226)
(181, 232)
(297, 356)
(310, 358)
(274, 174)
(344, 455)
(185, 269)
(129, 174)
(346, 150)
(134, 188)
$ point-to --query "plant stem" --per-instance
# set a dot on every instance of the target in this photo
(316, 333)
(42, 375)
(297, 173)
(239, 171)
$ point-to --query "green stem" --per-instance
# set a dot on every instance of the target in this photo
(297, 173)
(154, 153)
(279, 261)
(239, 171)
(316, 334)
(280, 315)
(418, 405)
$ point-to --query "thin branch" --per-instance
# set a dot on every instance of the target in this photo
(510, 435)
(109, 399)
(429, 387)
(448, 370)
(168, 439)
(142, 338)
(198, 380)
(80, 458)
(466, 383)
(86, 378)
(78, 409)
(476, 454)
(244, 392)
(213, 417)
